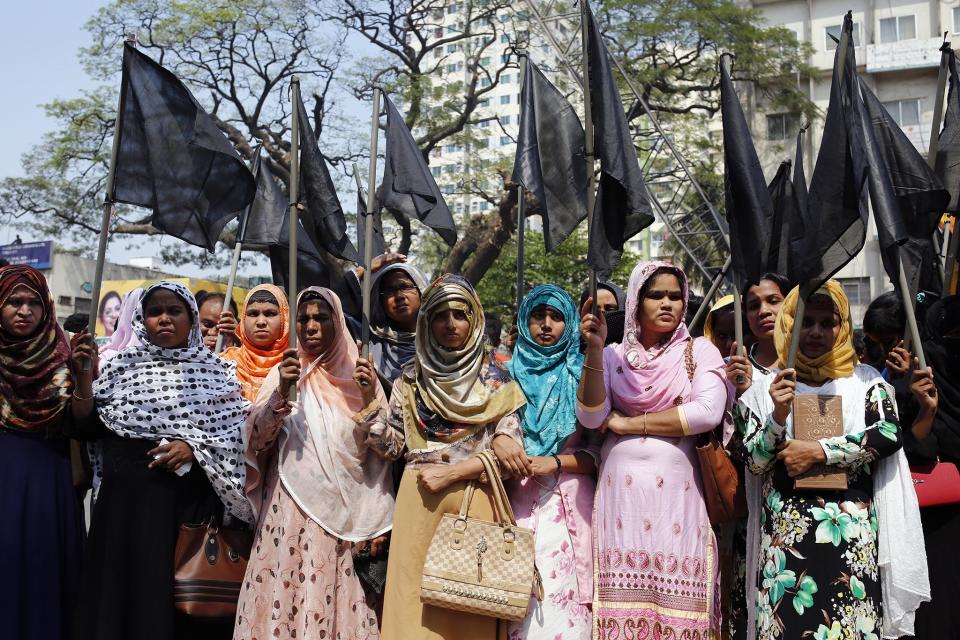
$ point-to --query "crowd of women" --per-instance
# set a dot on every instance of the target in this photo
(342, 466)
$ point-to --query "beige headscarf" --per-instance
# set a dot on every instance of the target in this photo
(449, 380)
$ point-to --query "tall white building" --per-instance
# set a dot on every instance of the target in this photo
(468, 161)
(897, 50)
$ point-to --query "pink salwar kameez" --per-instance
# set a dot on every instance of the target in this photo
(655, 562)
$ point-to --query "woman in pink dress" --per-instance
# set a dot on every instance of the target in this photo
(655, 557)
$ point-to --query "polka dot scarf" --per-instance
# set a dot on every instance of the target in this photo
(190, 394)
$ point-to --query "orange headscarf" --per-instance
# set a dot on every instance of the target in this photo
(253, 363)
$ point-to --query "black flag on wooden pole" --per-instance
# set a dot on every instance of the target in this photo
(173, 158)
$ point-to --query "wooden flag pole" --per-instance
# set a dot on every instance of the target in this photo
(521, 215)
(711, 293)
(368, 227)
(908, 307)
(294, 221)
(945, 53)
(108, 205)
(801, 301)
(589, 153)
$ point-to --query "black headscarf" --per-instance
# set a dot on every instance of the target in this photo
(615, 318)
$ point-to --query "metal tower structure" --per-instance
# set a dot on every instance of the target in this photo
(678, 200)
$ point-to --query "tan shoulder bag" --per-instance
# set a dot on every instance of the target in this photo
(482, 567)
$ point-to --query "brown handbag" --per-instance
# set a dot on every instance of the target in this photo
(723, 489)
(209, 563)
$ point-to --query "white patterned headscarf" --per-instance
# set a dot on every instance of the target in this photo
(190, 394)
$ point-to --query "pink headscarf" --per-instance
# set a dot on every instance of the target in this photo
(641, 380)
(123, 336)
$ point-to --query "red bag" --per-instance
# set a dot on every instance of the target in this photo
(936, 483)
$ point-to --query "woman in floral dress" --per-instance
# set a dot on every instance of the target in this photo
(556, 498)
(824, 554)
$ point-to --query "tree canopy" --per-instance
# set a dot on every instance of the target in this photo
(238, 59)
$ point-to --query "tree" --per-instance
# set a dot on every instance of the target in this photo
(238, 59)
(565, 267)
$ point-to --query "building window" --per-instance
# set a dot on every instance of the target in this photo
(484, 103)
(451, 148)
(835, 30)
(505, 58)
(504, 99)
(857, 291)
(64, 301)
(782, 126)
(485, 61)
(505, 140)
(484, 82)
(453, 8)
(505, 39)
(506, 119)
(451, 68)
(483, 124)
(484, 206)
(898, 28)
(956, 20)
(438, 32)
(451, 48)
(435, 171)
(905, 112)
(506, 78)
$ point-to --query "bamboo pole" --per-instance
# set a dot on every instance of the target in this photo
(908, 308)
(801, 301)
(945, 53)
(368, 227)
(589, 153)
(711, 292)
(108, 206)
(228, 296)
(521, 214)
(294, 221)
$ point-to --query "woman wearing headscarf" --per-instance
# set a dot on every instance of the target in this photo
(263, 332)
(652, 393)
(556, 500)
(827, 563)
(761, 305)
(612, 299)
(123, 336)
(42, 530)
(168, 439)
(449, 404)
(395, 299)
(316, 486)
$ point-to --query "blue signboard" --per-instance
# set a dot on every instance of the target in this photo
(38, 255)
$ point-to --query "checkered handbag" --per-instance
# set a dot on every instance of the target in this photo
(478, 566)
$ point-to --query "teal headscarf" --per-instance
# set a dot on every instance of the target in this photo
(549, 375)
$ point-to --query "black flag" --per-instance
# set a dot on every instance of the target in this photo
(408, 186)
(837, 202)
(323, 218)
(262, 223)
(379, 245)
(749, 208)
(799, 178)
(948, 151)
(784, 227)
(622, 206)
(550, 161)
(906, 224)
(172, 158)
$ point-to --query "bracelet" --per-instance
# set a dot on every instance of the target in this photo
(557, 458)
(76, 397)
(586, 366)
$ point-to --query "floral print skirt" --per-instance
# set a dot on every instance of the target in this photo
(560, 616)
(300, 581)
(819, 578)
